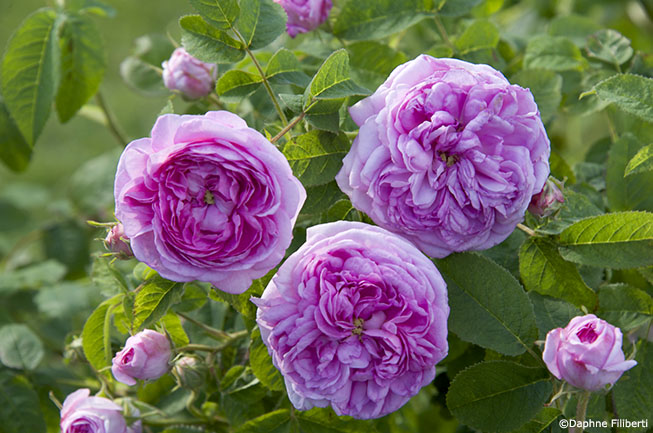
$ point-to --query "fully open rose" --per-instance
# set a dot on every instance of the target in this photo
(207, 198)
(82, 413)
(448, 155)
(355, 319)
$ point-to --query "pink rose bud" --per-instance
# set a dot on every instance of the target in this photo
(587, 353)
(81, 413)
(547, 201)
(192, 77)
(116, 241)
(304, 15)
(145, 356)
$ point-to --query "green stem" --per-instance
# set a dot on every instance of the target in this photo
(288, 127)
(443, 34)
(581, 409)
(221, 335)
(112, 122)
(527, 230)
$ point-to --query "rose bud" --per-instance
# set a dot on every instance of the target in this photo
(190, 372)
(81, 413)
(547, 201)
(116, 242)
(586, 353)
(192, 77)
(145, 356)
(356, 319)
(304, 15)
(448, 155)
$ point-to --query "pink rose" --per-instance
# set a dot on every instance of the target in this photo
(304, 15)
(586, 353)
(145, 356)
(81, 413)
(192, 77)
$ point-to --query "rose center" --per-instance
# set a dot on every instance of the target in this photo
(587, 334)
(208, 197)
(128, 356)
(448, 159)
(358, 326)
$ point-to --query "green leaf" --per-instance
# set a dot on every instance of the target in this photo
(546, 87)
(575, 208)
(15, 152)
(625, 306)
(173, 327)
(284, 68)
(93, 337)
(498, 396)
(457, 8)
(154, 299)
(555, 53)
(32, 276)
(30, 72)
(326, 122)
(634, 192)
(633, 392)
(541, 421)
(316, 157)
(575, 27)
(372, 62)
(631, 93)
(195, 296)
(83, 65)
(20, 347)
(543, 270)
(20, 411)
(261, 22)
(551, 313)
(221, 14)
(610, 46)
(261, 363)
(272, 422)
(343, 210)
(237, 83)
(616, 240)
(481, 34)
(322, 197)
(504, 323)
(141, 76)
(332, 81)
(324, 420)
(242, 303)
(67, 242)
(374, 19)
(207, 43)
(642, 161)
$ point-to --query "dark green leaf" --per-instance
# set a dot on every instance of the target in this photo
(316, 157)
(67, 242)
(93, 334)
(326, 122)
(260, 22)
(560, 169)
(504, 323)
(481, 34)
(616, 240)
(32, 277)
(575, 27)
(284, 67)
(631, 93)
(20, 347)
(261, 363)
(237, 83)
(272, 422)
(551, 313)
(319, 420)
(372, 62)
(543, 270)
(195, 297)
(633, 392)
(207, 43)
(343, 210)
(541, 421)
(15, 152)
(153, 301)
(220, 13)
(642, 161)
(625, 306)
(142, 76)
(19, 406)
(546, 87)
(575, 208)
(30, 72)
(634, 192)
(82, 65)
(456, 8)
(553, 53)
(610, 46)
(498, 396)
(320, 198)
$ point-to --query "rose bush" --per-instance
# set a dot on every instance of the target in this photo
(192, 77)
(207, 198)
(145, 356)
(586, 353)
(448, 155)
(305, 15)
(355, 319)
(83, 414)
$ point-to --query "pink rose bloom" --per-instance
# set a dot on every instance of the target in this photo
(304, 15)
(207, 198)
(547, 201)
(448, 155)
(355, 319)
(116, 241)
(145, 356)
(81, 413)
(586, 353)
(192, 77)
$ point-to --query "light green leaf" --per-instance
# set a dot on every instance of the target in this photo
(207, 43)
(261, 22)
(322, 197)
(617, 240)
(481, 34)
(15, 152)
(261, 363)
(633, 392)
(154, 299)
(93, 337)
(20, 347)
(504, 323)
(642, 161)
(221, 14)
(543, 270)
(284, 68)
(610, 46)
(625, 306)
(457, 8)
(242, 303)
(195, 296)
(374, 19)
(631, 93)
(272, 422)
(316, 157)
(551, 313)
(30, 72)
(546, 87)
(498, 396)
(237, 83)
(633, 192)
(172, 325)
(20, 411)
(83, 65)
(541, 421)
(555, 53)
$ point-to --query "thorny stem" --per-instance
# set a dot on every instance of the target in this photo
(527, 230)
(112, 123)
(290, 126)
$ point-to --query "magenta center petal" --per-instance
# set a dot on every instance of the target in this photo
(587, 334)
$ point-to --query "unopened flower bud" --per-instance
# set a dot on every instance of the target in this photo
(116, 241)
(190, 372)
(547, 201)
(192, 77)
